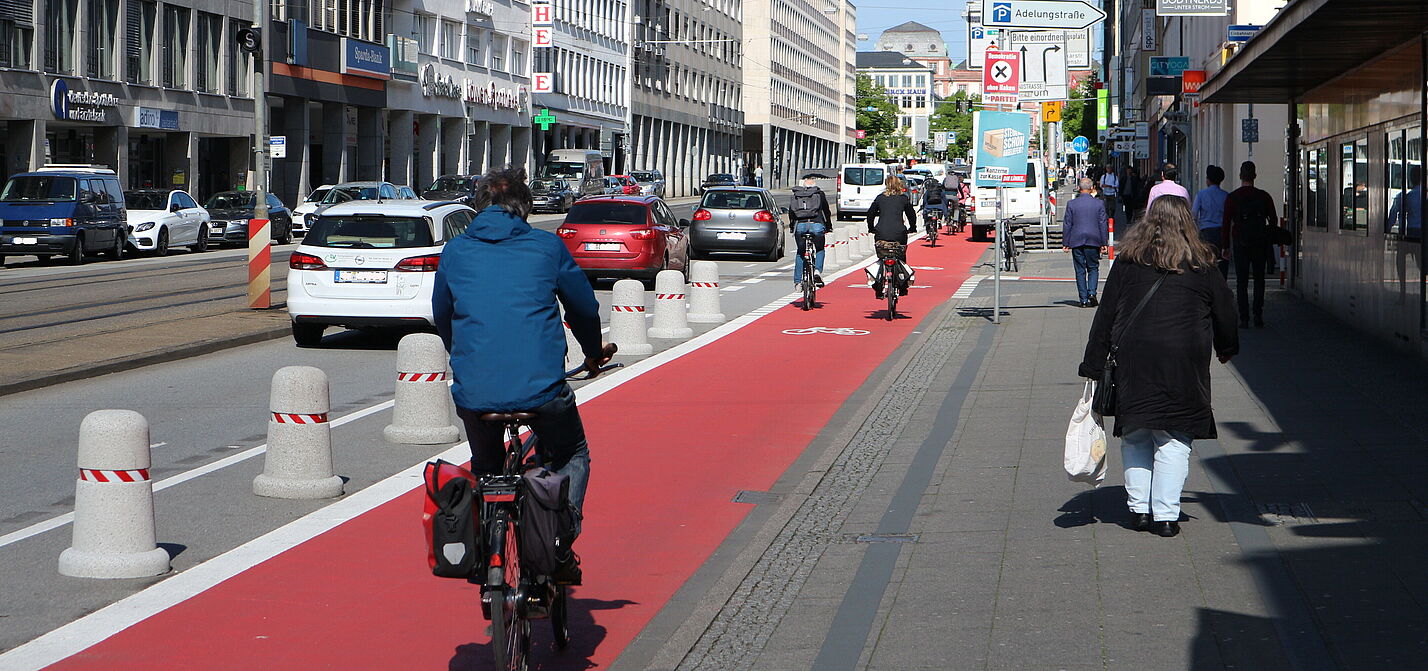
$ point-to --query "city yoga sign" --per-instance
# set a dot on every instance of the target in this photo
(70, 105)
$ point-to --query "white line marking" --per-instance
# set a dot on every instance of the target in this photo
(752, 280)
(734, 288)
(157, 445)
(772, 273)
(120, 615)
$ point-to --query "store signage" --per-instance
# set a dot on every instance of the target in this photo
(906, 92)
(545, 119)
(1249, 130)
(541, 13)
(1241, 33)
(1149, 29)
(542, 36)
(542, 82)
(1190, 83)
(278, 146)
(1168, 66)
(433, 84)
(148, 117)
(366, 59)
(494, 96)
(1192, 7)
(70, 105)
(860, 134)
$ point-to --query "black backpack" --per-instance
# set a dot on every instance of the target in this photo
(934, 191)
(548, 523)
(808, 205)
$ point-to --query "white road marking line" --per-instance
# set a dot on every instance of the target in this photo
(157, 445)
(969, 286)
(734, 288)
(752, 280)
(772, 273)
(120, 615)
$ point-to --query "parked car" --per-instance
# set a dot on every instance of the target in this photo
(370, 265)
(625, 236)
(718, 179)
(159, 220)
(738, 219)
(63, 210)
(307, 207)
(460, 188)
(629, 186)
(611, 186)
(552, 195)
(230, 211)
(651, 182)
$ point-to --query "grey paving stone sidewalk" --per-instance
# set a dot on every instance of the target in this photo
(1303, 542)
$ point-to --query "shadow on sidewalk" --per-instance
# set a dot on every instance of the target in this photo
(585, 636)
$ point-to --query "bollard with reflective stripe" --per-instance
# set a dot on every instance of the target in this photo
(830, 251)
(627, 318)
(298, 462)
(841, 240)
(113, 501)
(704, 293)
(671, 315)
(421, 413)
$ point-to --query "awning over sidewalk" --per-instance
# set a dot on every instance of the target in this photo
(1309, 43)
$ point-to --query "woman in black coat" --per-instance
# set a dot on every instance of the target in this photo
(1162, 371)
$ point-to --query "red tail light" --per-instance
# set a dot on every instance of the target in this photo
(702, 214)
(300, 261)
(888, 262)
(764, 216)
(419, 264)
(565, 232)
(642, 233)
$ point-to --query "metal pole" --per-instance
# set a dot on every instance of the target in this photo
(259, 236)
(630, 20)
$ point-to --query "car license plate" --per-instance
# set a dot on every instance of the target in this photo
(26, 241)
(602, 246)
(732, 236)
(360, 276)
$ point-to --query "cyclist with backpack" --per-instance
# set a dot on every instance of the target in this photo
(933, 198)
(1249, 217)
(885, 219)
(811, 215)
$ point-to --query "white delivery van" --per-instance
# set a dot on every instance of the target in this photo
(858, 185)
(583, 169)
(1024, 203)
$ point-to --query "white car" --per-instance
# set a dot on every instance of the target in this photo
(308, 206)
(858, 185)
(161, 220)
(369, 263)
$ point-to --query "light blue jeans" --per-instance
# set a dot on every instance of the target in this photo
(1157, 463)
(818, 230)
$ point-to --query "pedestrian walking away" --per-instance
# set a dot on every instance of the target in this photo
(1164, 310)
(1132, 193)
(811, 215)
(1167, 186)
(1209, 209)
(1110, 192)
(759, 177)
(494, 302)
(1249, 218)
(1085, 233)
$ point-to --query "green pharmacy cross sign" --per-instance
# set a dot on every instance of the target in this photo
(545, 119)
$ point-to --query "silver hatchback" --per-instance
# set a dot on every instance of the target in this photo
(742, 219)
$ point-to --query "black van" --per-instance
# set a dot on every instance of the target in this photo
(63, 210)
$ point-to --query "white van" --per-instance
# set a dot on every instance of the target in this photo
(858, 185)
(583, 169)
(1024, 204)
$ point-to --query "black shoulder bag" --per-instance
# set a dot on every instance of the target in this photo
(1104, 400)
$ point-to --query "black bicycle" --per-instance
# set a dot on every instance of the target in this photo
(888, 279)
(1008, 244)
(511, 596)
(806, 281)
(932, 223)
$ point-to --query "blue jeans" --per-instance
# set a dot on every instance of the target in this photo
(1088, 270)
(561, 438)
(817, 229)
(935, 206)
(1157, 463)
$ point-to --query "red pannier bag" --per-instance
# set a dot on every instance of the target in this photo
(451, 520)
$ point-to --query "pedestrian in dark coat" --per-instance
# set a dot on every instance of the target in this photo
(1162, 372)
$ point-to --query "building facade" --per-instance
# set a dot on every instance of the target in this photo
(796, 94)
(687, 121)
(590, 98)
(926, 46)
(165, 101)
(908, 83)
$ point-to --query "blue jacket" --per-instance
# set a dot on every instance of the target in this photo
(495, 307)
(1085, 223)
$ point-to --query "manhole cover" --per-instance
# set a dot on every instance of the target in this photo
(756, 498)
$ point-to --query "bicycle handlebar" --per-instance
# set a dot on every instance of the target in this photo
(608, 351)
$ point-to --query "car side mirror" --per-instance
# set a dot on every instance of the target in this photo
(175, 207)
(88, 197)
(684, 223)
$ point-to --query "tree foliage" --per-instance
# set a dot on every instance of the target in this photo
(877, 115)
(1079, 116)
(946, 117)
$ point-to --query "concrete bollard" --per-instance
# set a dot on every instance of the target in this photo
(671, 314)
(830, 251)
(863, 247)
(113, 501)
(704, 293)
(421, 414)
(841, 251)
(298, 463)
(573, 354)
(627, 318)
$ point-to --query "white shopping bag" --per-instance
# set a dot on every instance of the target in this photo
(1085, 458)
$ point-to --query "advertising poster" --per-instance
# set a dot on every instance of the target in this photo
(1000, 140)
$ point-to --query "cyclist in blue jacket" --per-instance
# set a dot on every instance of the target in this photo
(494, 301)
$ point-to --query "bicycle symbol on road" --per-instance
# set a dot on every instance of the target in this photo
(824, 329)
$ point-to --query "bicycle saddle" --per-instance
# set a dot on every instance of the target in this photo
(508, 417)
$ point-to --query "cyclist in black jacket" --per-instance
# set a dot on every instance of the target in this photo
(885, 222)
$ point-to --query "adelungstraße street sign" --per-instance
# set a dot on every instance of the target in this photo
(1044, 14)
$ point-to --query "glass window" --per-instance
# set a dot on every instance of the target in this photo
(423, 25)
(518, 56)
(1413, 159)
(210, 38)
(475, 38)
(499, 44)
(456, 223)
(240, 63)
(139, 41)
(606, 212)
(103, 14)
(59, 35)
(370, 232)
(15, 37)
(1393, 179)
(1346, 186)
(39, 187)
(186, 201)
(145, 200)
(230, 200)
(450, 40)
(175, 67)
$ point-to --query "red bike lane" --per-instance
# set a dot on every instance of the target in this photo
(670, 449)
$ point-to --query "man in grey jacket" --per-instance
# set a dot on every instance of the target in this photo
(1085, 234)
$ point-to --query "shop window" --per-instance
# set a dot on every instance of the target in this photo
(1353, 185)
(475, 37)
(99, 61)
(139, 42)
(239, 63)
(210, 37)
(175, 63)
(59, 35)
(450, 40)
(519, 52)
(499, 44)
(1404, 179)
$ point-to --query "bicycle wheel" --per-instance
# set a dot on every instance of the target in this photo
(510, 631)
(890, 290)
(559, 616)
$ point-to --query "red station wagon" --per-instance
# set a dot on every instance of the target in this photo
(625, 236)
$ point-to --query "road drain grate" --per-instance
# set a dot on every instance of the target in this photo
(756, 498)
(886, 538)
